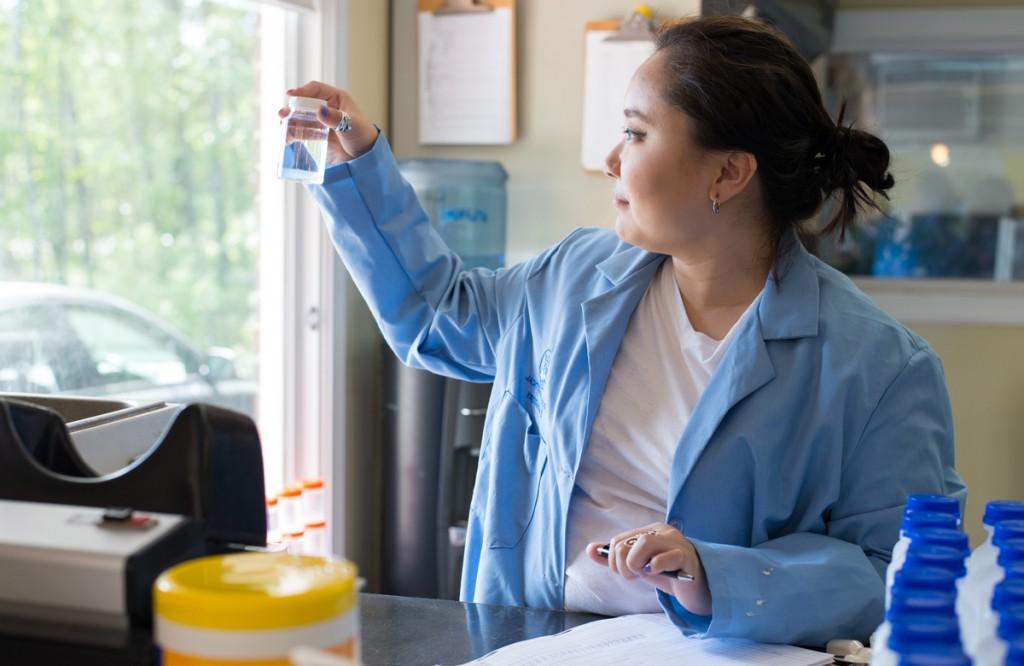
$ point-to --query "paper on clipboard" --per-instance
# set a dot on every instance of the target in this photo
(637, 640)
(609, 67)
(466, 77)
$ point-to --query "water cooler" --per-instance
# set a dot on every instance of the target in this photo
(432, 424)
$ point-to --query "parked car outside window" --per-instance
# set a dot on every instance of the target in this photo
(64, 340)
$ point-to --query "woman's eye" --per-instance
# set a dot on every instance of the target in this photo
(629, 134)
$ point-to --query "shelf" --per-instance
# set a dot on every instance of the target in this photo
(935, 301)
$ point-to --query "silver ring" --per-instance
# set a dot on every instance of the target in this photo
(345, 124)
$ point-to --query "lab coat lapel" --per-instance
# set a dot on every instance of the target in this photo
(745, 368)
(605, 319)
(785, 311)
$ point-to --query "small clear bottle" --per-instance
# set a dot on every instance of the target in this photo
(303, 142)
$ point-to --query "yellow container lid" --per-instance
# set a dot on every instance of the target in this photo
(244, 591)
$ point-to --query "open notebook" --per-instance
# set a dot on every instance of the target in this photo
(639, 640)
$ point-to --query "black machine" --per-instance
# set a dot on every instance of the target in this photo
(80, 550)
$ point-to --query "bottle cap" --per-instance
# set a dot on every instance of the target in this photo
(914, 519)
(944, 557)
(936, 503)
(997, 511)
(922, 602)
(1011, 623)
(644, 11)
(952, 655)
(1015, 653)
(1008, 593)
(1008, 529)
(924, 578)
(291, 491)
(1012, 550)
(940, 536)
(308, 103)
(913, 632)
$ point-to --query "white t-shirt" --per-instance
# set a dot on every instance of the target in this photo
(659, 373)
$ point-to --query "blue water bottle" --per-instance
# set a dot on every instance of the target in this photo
(466, 202)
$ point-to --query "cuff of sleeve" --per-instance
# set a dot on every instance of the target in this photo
(365, 162)
(714, 558)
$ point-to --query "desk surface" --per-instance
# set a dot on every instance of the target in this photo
(405, 631)
(396, 631)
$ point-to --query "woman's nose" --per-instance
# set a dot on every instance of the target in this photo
(611, 162)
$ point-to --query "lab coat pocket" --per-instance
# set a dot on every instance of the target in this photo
(518, 459)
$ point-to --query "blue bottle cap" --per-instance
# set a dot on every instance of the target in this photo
(1015, 653)
(924, 578)
(1011, 551)
(1008, 529)
(940, 536)
(1008, 593)
(944, 557)
(1011, 623)
(1013, 571)
(915, 633)
(948, 655)
(997, 511)
(936, 503)
(922, 602)
(914, 519)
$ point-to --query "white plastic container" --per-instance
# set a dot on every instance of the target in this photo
(992, 651)
(913, 520)
(912, 634)
(988, 569)
(313, 501)
(290, 507)
(254, 609)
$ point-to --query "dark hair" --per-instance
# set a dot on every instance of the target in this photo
(747, 88)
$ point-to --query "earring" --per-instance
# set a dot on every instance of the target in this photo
(715, 206)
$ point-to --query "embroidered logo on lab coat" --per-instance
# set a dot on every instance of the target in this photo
(536, 384)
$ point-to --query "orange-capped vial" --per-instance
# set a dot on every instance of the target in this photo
(273, 520)
(291, 509)
(313, 501)
(249, 609)
(295, 542)
(316, 538)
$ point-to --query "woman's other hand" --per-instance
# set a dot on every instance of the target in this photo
(645, 552)
(341, 146)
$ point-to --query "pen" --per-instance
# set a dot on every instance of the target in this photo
(677, 575)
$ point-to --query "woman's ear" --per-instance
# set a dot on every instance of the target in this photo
(735, 172)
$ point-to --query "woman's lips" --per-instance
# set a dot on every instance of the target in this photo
(619, 202)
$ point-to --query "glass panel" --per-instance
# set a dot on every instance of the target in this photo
(129, 149)
(128, 348)
(955, 127)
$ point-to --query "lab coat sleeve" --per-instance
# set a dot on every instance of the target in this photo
(808, 588)
(433, 314)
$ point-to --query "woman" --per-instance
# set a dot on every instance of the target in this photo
(693, 389)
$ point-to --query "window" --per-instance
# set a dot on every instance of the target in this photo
(953, 123)
(130, 151)
(132, 154)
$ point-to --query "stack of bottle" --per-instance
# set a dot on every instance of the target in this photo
(296, 519)
(946, 605)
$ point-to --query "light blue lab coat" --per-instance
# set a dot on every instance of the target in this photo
(790, 477)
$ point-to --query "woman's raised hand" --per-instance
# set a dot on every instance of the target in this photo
(341, 146)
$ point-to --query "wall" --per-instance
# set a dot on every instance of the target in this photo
(549, 194)
(368, 61)
(985, 372)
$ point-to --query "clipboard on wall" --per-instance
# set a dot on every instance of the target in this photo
(613, 52)
(467, 72)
